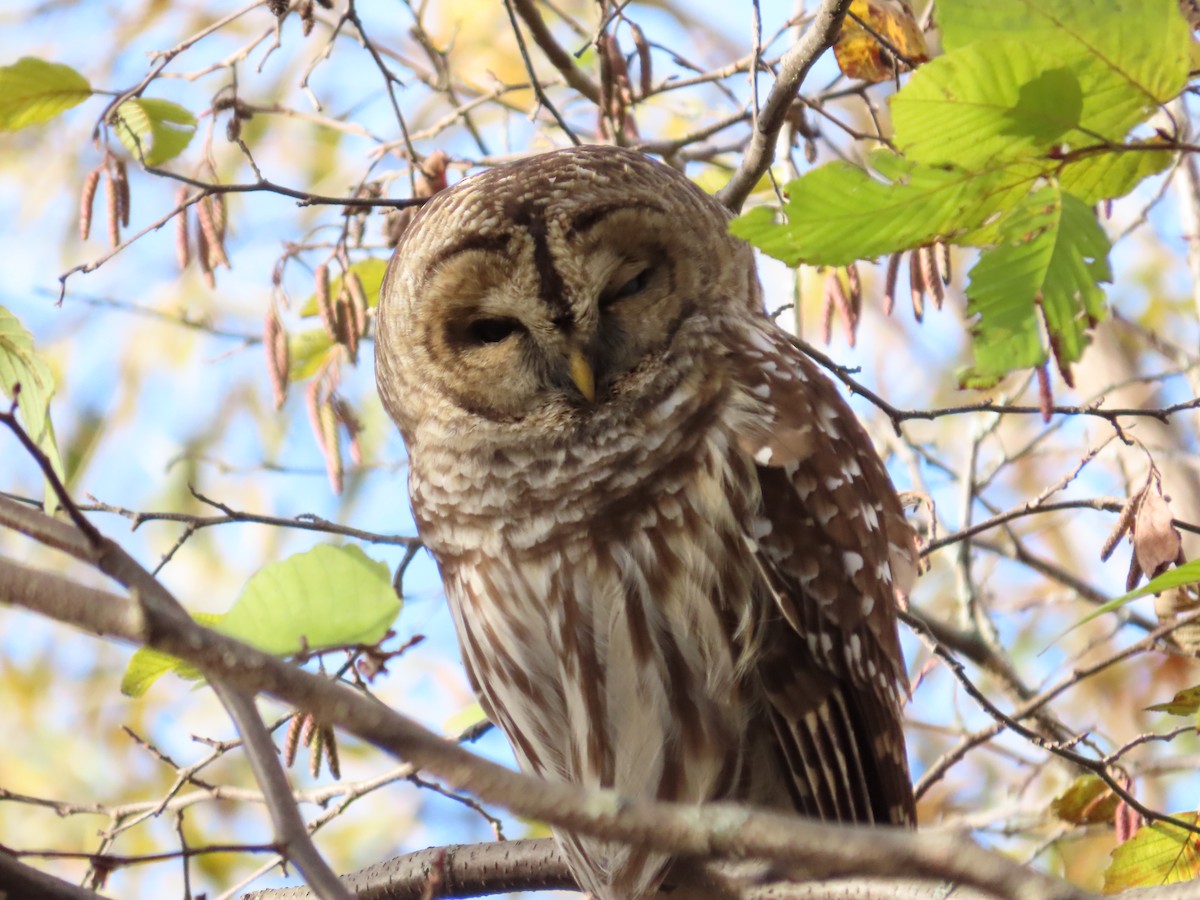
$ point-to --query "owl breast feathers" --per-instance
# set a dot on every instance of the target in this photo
(671, 553)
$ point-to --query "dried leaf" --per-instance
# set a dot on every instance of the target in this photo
(1124, 523)
(860, 53)
(1175, 604)
(645, 70)
(889, 283)
(87, 200)
(1156, 542)
(358, 302)
(291, 740)
(916, 284)
(112, 194)
(933, 279)
(325, 301)
(212, 227)
(123, 198)
(275, 343)
(329, 741)
(183, 245)
(1045, 392)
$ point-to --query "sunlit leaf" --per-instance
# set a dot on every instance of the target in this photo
(1054, 257)
(1158, 854)
(33, 90)
(147, 665)
(153, 130)
(306, 351)
(1087, 801)
(861, 55)
(326, 597)
(1184, 703)
(995, 99)
(21, 365)
(839, 213)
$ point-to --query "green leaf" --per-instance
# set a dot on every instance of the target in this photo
(1111, 174)
(1188, 573)
(33, 90)
(839, 213)
(1054, 255)
(993, 100)
(1130, 57)
(1087, 801)
(369, 271)
(147, 665)
(1159, 853)
(21, 365)
(306, 351)
(1184, 703)
(327, 597)
(153, 130)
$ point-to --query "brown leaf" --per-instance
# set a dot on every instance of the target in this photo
(1156, 542)
(889, 283)
(1175, 604)
(1045, 393)
(645, 69)
(291, 740)
(276, 346)
(1124, 523)
(183, 245)
(87, 200)
(916, 284)
(112, 194)
(861, 54)
(212, 226)
(123, 199)
(933, 279)
(325, 301)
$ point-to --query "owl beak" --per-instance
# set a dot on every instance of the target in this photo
(582, 374)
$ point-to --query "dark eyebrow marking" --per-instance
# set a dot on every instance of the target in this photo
(489, 243)
(592, 217)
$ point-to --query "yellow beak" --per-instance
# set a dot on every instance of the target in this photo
(582, 375)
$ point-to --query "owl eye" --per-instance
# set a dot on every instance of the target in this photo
(634, 285)
(492, 331)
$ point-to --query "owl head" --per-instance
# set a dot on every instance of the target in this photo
(555, 290)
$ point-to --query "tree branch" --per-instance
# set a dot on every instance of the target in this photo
(793, 69)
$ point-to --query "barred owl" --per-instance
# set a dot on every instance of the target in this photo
(671, 553)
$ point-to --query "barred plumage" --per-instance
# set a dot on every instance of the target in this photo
(671, 553)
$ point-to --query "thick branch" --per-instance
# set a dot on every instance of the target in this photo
(807, 849)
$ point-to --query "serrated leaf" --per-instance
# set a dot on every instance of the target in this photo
(992, 100)
(1053, 257)
(369, 271)
(326, 597)
(306, 351)
(21, 365)
(153, 130)
(1158, 854)
(33, 90)
(839, 213)
(1184, 703)
(147, 665)
(1112, 174)
(1088, 800)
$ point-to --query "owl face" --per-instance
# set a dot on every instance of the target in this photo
(541, 292)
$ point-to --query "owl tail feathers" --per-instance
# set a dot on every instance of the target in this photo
(846, 757)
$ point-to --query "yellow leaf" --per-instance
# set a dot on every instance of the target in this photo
(860, 54)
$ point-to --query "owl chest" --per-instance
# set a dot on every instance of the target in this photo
(632, 621)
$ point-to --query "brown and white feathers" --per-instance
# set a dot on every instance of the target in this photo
(671, 553)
